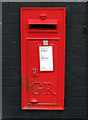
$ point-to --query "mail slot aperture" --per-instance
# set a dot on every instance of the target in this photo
(43, 27)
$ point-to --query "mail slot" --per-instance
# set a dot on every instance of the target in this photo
(42, 26)
(43, 58)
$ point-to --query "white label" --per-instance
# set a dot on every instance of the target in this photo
(46, 58)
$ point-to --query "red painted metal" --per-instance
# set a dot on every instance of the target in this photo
(42, 90)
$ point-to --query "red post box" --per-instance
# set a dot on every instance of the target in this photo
(43, 57)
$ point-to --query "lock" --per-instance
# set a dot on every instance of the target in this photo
(35, 72)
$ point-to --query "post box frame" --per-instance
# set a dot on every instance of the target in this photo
(25, 105)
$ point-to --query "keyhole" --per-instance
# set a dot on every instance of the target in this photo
(34, 70)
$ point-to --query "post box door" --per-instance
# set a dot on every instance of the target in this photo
(43, 58)
(42, 82)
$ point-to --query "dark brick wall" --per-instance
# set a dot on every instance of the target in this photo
(75, 80)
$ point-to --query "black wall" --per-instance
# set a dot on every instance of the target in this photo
(75, 80)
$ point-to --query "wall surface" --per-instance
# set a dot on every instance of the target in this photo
(75, 80)
(0, 60)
